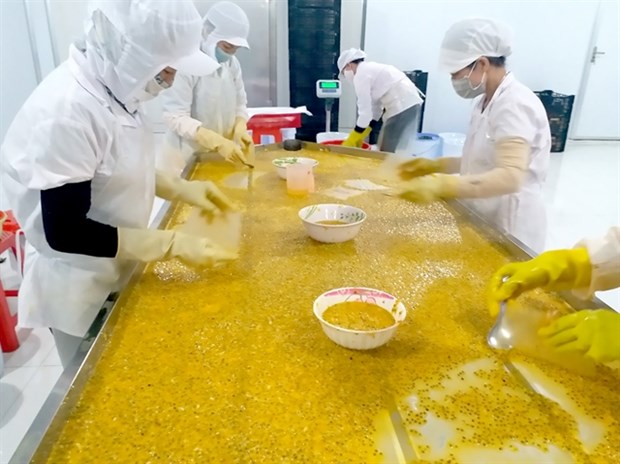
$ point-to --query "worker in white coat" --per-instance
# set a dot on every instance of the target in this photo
(381, 90)
(507, 149)
(594, 264)
(78, 165)
(209, 113)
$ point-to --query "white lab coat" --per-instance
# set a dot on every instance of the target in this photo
(382, 87)
(213, 102)
(604, 255)
(71, 130)
(514, 111)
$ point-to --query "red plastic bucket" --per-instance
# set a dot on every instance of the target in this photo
(365, 145)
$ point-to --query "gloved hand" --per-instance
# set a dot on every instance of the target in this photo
(430, 188)
(212, 141)
(203, 194)
(355, 139)
(241, 137)
(419, 167)
(552, 270)
(593, 332)
(155, 245)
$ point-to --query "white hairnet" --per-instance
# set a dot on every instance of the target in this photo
(227, 21)
(128, 42)
(469, 39)
(349, 55)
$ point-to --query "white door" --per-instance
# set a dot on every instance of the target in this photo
(598, 110)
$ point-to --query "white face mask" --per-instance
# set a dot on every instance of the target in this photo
(349, 75)
(463, 86)
(221, 56)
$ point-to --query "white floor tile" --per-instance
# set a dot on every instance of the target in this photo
(583, 197)
(12, 384)
(20, 416)
(611, 298)
(52, 359)
(35, 346)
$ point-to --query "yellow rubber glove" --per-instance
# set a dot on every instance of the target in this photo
(212, 141)
(430, 188)
(419, 167)
(594, 333)
(148, 245)
(240, 132)
(242, 138)
(552, 270)
(355, 139)
(203, 194)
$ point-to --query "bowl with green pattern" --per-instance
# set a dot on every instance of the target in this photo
(332, 223)
(282, 163)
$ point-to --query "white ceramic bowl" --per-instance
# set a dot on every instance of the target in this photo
(359, 339)
(332, 233)
(282, 163)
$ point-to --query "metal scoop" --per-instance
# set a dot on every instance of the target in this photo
(499, 337)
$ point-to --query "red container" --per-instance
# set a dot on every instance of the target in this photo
(8, 241)
(365, 145)
(10, 224)
(270, 124)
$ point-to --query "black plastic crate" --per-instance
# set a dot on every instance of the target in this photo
(321, 62)
(559, 109)
(420, 79)
(305, 81)
(327, 4)
(316, 42)
(302, 90)
(314, 45)
(309, 20)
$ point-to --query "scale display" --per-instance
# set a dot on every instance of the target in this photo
(328, 88)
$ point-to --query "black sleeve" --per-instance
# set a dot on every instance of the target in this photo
(372, 125)
(68, 230)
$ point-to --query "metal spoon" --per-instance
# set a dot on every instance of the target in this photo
(499, 337)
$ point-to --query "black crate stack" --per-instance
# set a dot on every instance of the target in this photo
(314, 47)
(559, 109)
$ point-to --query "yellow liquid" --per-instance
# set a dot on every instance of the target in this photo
(357, 315)
(332, 223)
(297, 193)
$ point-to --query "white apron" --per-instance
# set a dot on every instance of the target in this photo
(521, 214)
(400, 97)
(214, 105)
(66, 291)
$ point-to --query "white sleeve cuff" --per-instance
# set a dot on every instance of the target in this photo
(182, 125)
(605, 258)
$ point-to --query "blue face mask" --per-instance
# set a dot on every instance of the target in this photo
(221, 56)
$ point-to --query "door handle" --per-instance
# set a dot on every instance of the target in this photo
(595, 52)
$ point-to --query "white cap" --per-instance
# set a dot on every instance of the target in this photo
(227, 21)
(349, 55)
(134, 40)
(472, 38)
